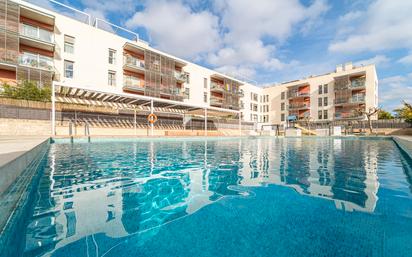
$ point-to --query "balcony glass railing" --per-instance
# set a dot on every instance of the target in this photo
(133, 82)
(359, 98)
(214, 85)
(347, 115)
(36, 61)
(182, 76)
(133, 61)
(299, 106)
(356, 83)
(36, 33)
(297, 94)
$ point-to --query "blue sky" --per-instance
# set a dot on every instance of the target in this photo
(276, 40)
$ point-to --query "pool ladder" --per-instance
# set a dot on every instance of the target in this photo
(71, 130)
(86, 130)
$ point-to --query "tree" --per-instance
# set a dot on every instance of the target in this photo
(405, 112)
(384, 115)
(27, 90)
(368, 113)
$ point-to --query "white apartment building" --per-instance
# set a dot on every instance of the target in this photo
(338, 95)
(43, 45)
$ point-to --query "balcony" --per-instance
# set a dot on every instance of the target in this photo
(298, 94)
(352, 84)
(354, 100)
(133, 84)
(36, 37)
(36, 61)
(357, 83)
(133, 64)
(216, 87)
(181, 76)
(300, 106)
(216, 101)
(348, 115)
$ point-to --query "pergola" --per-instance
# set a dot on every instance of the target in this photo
(63, 93)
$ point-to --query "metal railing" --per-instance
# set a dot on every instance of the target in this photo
(36, 33)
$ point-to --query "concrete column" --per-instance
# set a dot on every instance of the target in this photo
(151, 124)
(53, 114)
(205, 122)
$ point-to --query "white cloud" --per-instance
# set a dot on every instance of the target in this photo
(395, 89)
(275, 64)
(378, 60)
(246, 25)
(384, 25)
(175, 28)
(406, 59)
(231, 34)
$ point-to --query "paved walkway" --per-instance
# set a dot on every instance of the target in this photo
(12, 147)
(405, 142)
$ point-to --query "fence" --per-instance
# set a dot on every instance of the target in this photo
(376, 124)
(122, 120)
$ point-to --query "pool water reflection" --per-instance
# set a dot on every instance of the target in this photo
(155, 198)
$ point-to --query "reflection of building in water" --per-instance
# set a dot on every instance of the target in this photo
(317, 168)
(88, 196)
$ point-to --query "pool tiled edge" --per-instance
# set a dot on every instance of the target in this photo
(405, 143)
(17, 198)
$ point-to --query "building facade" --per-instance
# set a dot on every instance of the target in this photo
(41, 45)
(337, 96)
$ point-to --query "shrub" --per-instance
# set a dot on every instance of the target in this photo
(27, 90)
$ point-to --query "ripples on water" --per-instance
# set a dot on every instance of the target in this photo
(125, 188)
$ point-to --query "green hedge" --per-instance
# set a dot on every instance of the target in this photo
(27, 90)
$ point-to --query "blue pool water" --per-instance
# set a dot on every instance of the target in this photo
(233, 197)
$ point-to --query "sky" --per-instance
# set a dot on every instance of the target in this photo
(272, 41)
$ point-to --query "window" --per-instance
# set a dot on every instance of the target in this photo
(320, 89)
(205, 83)
(112, 56)
(325, 114)
(320, 101)
(68, 69)
(205, 97)
(282, 95)
(325, 88)
(282, 106)
(320, 115)
(282, 117)
(325, 101)
(111, 78)
(267, 100)
(68, 44)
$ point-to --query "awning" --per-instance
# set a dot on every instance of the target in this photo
(126, 101)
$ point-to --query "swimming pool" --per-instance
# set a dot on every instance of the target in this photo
(227, 197)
